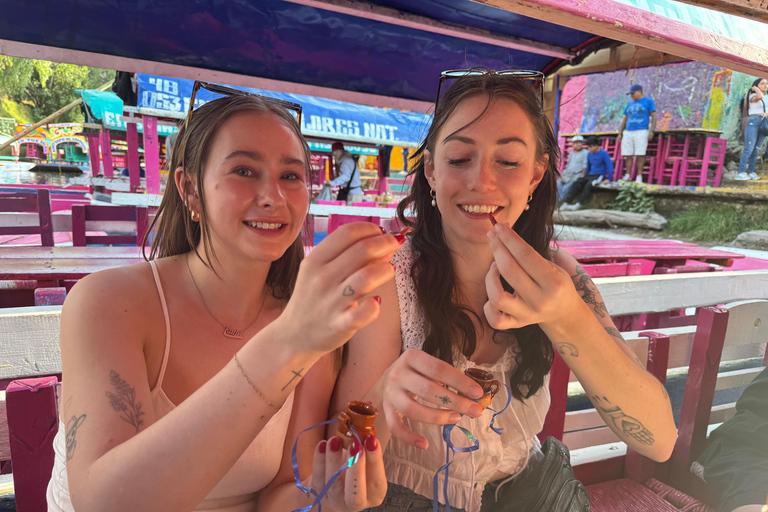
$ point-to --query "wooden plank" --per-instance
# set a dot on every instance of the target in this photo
(748, 323)
(30, 340)
(69, 252)
(106, 153)
(752, 9)
(151, 155)
(5, 445)
(736, 378)
(134, 169)
(582, 420)
(658, 293)
(51, 269)
(668, 252)
(721, 413)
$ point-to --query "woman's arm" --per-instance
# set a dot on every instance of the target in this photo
(758, 95)
(562, 299)
(122, 458)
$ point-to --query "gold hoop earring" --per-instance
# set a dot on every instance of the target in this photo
(528, 206)
(195, 216)
(434, 199)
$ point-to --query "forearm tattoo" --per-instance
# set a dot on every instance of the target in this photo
(71, 437)
(124, 401)
(625, 425)
(614, 332)
(567, 349)
(584, 284)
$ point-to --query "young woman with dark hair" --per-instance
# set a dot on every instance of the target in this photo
(490, 150)
(186, 380)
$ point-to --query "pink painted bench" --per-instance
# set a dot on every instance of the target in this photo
(39, 202)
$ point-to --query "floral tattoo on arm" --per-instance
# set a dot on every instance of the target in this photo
(590, 295)
(124, 401)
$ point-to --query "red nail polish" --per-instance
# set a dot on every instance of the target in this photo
(393, 265)
(321, 447)
(335, 444)
(371, 444)
(354, 449)
(383, 231)
(400, 239)
(377, 298)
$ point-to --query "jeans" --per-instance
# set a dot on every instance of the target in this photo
(562, 189)
(580, 190)
(754, 136)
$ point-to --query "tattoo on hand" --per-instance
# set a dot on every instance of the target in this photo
(626, 425)
(444, 399)
(584, 284)
(72, 426)
(567, 349)
(348, 291)
(124, 401)
(295, 374)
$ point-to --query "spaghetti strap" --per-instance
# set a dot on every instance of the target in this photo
(167, 350)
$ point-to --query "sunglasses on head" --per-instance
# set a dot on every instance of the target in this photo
(536, 78)
(228, 91)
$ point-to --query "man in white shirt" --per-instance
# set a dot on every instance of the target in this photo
(349, 175)
(574, 168)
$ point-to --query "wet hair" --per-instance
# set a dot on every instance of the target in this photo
(176, 233)
(592, 141)
(450, 327)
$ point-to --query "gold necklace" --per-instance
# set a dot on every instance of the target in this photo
(228, 331)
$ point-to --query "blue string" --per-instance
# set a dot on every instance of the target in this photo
(451, 450)
(308, 490)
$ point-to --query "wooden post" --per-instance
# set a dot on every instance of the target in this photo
(33, 421)
(106, 152)
(93, 152)
(151, 155)
(134, 170)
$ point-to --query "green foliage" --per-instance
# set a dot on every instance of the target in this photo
(20, 112)
(717, 222)
(46, 86)
(632, 197)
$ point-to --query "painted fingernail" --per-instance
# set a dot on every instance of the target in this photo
(406, 230)
(355, 448)
(377, 298)
(322, 446)
(383, 231)
(475, 410)
(393, 265)
(371, 444)
(454, 417)
(400, 239)
(335, 444)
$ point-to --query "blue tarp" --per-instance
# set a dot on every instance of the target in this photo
(329, 119)
(107, 107)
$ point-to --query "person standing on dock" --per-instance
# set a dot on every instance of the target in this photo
(637, 128)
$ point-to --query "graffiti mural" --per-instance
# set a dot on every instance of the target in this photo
(687, 95)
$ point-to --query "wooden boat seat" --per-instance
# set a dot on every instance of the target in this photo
(629, 495)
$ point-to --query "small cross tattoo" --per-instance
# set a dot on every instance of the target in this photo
(295, 374)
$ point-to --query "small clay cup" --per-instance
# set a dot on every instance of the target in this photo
(358, 416)
(490, 385)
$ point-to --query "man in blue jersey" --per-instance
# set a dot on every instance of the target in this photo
(599, 168)
(637, 127)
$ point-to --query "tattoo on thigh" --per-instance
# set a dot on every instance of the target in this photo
(71, 430)
(584, 284)
(626, 425)
(567, 349)
(124, 401)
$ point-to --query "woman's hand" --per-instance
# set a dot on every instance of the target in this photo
(328, 304)
(756, 90)
(361, 486)
(417, 374)
(544, 292)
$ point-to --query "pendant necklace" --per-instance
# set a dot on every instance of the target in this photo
(229, 332)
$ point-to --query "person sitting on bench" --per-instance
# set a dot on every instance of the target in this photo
(599, 168)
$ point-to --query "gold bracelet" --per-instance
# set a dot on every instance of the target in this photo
(258, 392)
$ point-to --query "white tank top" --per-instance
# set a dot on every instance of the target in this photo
(470, 472)
(236, 492)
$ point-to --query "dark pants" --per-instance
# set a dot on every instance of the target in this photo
(581, 189)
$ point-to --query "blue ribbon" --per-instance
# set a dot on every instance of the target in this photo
(451, 450)
(308, 490)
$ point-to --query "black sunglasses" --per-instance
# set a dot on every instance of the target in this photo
(536, 78)
(228, 91)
